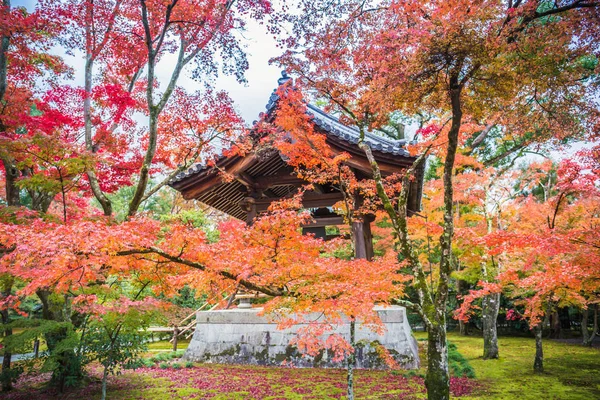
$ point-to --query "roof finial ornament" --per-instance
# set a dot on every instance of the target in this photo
(284, 78)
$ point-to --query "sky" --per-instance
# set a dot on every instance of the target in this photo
(250, 98)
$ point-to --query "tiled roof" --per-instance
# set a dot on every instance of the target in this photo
(351, 134)
(327, 123)
(194, 169)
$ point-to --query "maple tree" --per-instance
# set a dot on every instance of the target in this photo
(548, 248)
(124, 43)
(477, 69)
(486, 82)
(70, 141)
(25, 37)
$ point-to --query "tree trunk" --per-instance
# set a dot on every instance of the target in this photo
(5, 43)
(6, 370)
(463, 327)
(595, 328)
(585, 335)
(104, 201)
(437, 380)
(351, 360)
(555, 327)
(104, 381)
(69, 365)
(175, 334)
(588, 339)
(538, 363)
(12, 173)
(490, 308)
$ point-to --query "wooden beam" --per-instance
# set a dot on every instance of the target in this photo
(265, 182)
(211, 178)
(245, 179)
(310, 200)
(326, 221)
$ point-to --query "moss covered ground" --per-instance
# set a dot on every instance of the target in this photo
(572, 372)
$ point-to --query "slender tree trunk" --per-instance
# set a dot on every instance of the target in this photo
(104, 201)
(555, 328)
(175, 334)
(6, 361)
(432, 302)
(144, 177)
(6, 371)
(595, 328)
(351, 360)
(11, 170)
(437, 380)
(3, 61)
(585, 335)
(538, 363)
(12, 173)
(463, 327)
(588, 339)
(490, 308)
(69, 365)
(104, 381)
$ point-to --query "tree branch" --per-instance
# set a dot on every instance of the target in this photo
(225, 274)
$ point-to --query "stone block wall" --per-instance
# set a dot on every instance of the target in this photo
(242, 336)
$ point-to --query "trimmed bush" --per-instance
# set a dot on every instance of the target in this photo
(459, 366)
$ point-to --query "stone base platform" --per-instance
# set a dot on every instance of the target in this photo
(241, 336)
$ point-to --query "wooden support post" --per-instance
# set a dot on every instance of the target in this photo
(175, 334)
(361, 232)
(249, 205)
(36, 348)
(358, 234)
(367, 219)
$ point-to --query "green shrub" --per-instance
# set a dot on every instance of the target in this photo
(164, 365)
(148, 363)
(189, 364)
(459, 365)
(135, 364)
(176, 366)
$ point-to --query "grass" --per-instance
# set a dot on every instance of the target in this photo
(572, 372)
(165, 345)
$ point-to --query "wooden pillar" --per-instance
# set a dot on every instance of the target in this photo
(368, 236)
(363, 238)
(361, 231)
(249, 205)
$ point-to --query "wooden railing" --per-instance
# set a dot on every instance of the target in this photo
(186, 325)
(180, 328)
